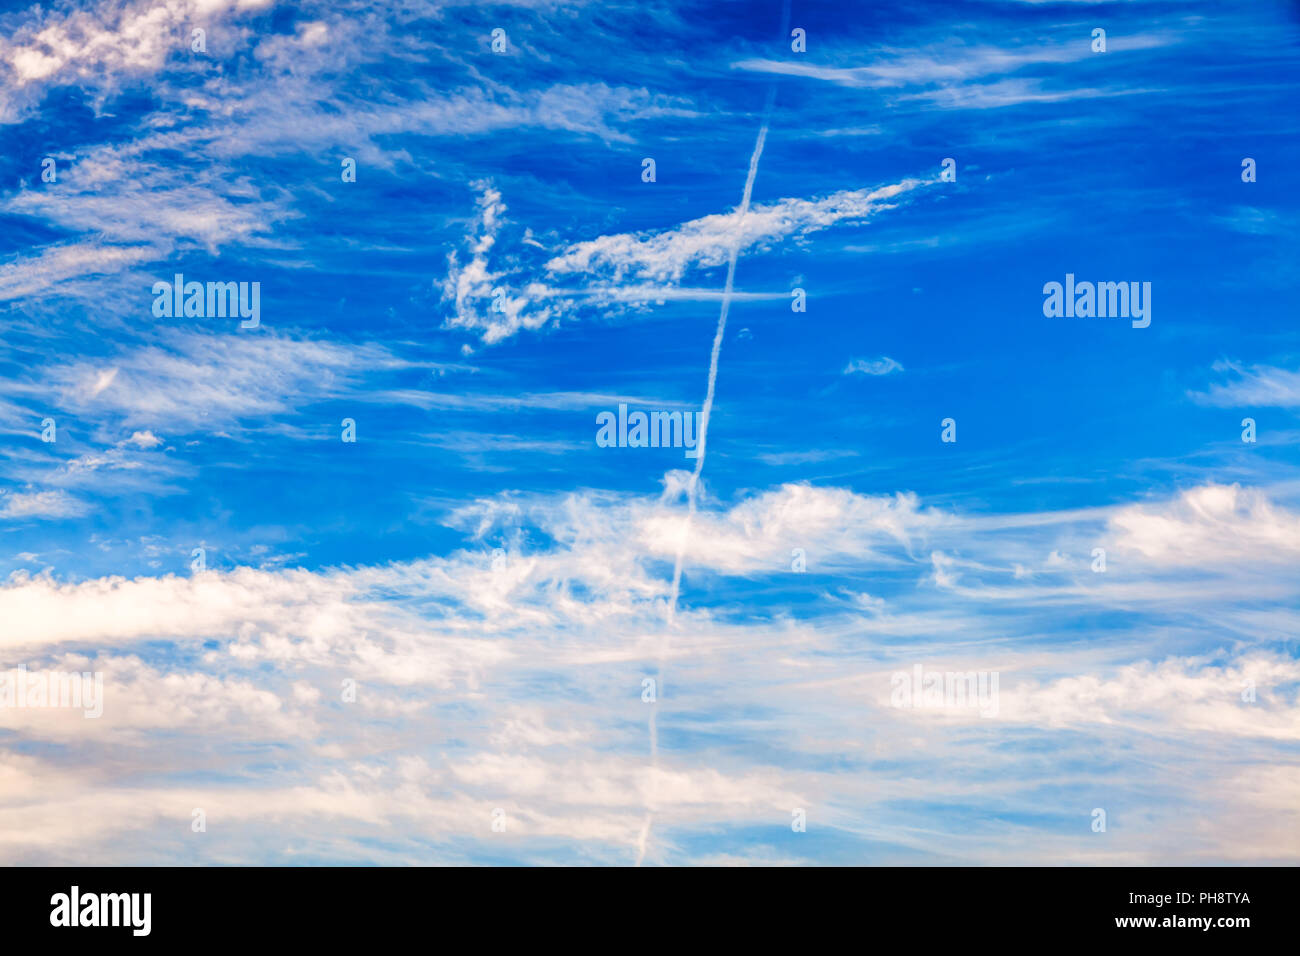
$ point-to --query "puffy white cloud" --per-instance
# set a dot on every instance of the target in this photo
(1177, 697)
(109, 38)
(145, 439)
(135, 698)
(521, 681)
(834, 526)
(1250, 695)
(1210, 526)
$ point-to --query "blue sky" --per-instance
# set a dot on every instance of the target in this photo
(497, 585)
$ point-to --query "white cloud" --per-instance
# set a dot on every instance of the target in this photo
(1175, 697)
(1210, 526)
(706, 242)
(144, 439)
(41, 504)
(1255, 385)
(205, 380)
(137, 698)
(500, 300)
(954, 74)
(524, 678)
(880, 366)
(114, 192)
(481, 298)
(108, 39)
(36, 274)
(832, 525)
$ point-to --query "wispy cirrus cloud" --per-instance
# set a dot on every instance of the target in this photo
(625, 268)
(36, 275)
(41, 504)
(192, 379)
(183, 182)
(962, 75)
(1260, 385)
(705, 242)
(879, 366)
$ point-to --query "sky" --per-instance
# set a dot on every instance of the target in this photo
(368, 578)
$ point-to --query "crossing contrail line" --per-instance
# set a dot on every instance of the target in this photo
(692, 487)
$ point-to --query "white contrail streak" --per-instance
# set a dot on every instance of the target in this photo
(693, 486)
(691, 489)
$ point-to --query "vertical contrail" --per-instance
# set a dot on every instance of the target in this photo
(693, 485)
(717, 351)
